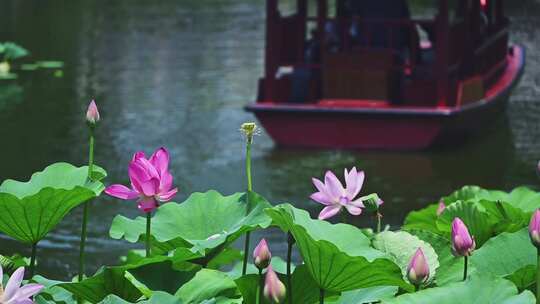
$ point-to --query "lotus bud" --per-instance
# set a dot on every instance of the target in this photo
(418, 269)
(262, 255)
(372, 202)
(92, 114)
(463, 243)
(441, 208)
(274, 290)
(534, 228)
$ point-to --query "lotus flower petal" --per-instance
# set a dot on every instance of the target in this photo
(121, 192)
(329, 211)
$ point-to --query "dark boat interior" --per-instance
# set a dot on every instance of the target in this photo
(364, 53)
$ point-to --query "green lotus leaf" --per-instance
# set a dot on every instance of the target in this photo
(497, 259)
(507, 218)
(206, 285)
(52, 293)
(473, 291)
(339, 257)
(450, 267)
(480, 223)
(157, 298)
(203, 222)
(522, 198)
(130, 282)
(367, 295)
(424, 219)
(475, 193)
(401, 247)
(11, 51)
(30, 210)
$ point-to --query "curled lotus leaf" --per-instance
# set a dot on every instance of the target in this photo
(30, 210)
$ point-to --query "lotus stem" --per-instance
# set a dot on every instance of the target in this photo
(86, 205)
(538, 276)
(321, 296)
(33, 260)
(248, 165)
(249, 188)
(379, 220)
(417, 288)
(465, 268)
(290, 242)
(148, 233)
(83, 242)
(91, 154)
(260, 288)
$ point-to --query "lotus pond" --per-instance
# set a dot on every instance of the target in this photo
(472, 245)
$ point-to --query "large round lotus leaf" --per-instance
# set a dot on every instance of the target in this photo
(522, 198)
(339, 257)
(424, 219)
(474, 291)
(29, 210)
(401, 247)
(366, 295)
(467, 193)
(131, 281)
(157, 298)
(507, 255)
(204, 221)
(206, 285)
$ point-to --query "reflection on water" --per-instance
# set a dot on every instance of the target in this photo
(177, 73)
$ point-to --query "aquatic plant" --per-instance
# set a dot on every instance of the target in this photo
(14, 293)
(274, 290)
(249, 130)
(30, 210)
(418, 269)
(151, 184)
(190, 246)
(335, 197)
(92, 118)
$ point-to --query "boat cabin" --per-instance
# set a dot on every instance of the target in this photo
(373, 50)
(374, 55)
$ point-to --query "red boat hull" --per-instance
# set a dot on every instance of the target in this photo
(388, 127)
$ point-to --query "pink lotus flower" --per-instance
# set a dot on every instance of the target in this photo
(534, 228)
(14, 293)
(441, 208)
(463, 243)
(335, 197)
(92, 114)
(418, 269)
(151, 181)
(262, 255)
(274, 290)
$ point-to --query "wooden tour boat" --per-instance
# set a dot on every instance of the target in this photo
(368, 75)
